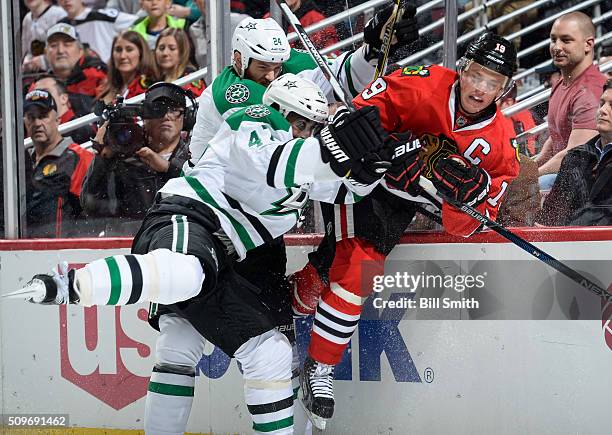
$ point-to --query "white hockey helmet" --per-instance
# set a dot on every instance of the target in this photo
(291, 93)
(261, 39)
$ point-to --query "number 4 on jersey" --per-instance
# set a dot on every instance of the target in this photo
(254, 141)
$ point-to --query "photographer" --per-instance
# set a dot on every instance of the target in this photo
(134, 162)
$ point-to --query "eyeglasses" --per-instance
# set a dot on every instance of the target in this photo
(174, 114)
(480, 82)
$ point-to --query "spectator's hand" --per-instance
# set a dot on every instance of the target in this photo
(179, 11)
(34, 64)
(153, 160)
(104, 151)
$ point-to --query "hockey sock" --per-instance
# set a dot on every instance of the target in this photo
(169, 400)
(171, 388)
(351, 276)
(266, 365)
(161, 276)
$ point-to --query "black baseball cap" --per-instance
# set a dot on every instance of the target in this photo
(40, 98)
(173, 94)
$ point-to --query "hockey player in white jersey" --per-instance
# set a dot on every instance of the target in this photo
(261, 52)
(250, 188)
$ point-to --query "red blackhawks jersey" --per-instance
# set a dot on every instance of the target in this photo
(421, 99)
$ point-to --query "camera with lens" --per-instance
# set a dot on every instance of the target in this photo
(124, 134)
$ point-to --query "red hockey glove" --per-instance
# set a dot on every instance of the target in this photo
(406, 164)
(307, 288)
(458, 179)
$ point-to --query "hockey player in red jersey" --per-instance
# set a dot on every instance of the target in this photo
(460, 143)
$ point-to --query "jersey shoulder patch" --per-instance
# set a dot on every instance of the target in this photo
(230, 91)
(415, 71)
(259, 113)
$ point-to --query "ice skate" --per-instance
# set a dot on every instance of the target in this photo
(317, 392)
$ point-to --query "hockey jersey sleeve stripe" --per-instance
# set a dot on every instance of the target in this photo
(291, 163)
(136, 279)
(203, 194)
(274, 164)
(115, 278)
(257, 225)
(281, 170)
(349, 77)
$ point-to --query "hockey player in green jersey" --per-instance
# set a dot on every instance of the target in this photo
(257, 174)
(261, 52)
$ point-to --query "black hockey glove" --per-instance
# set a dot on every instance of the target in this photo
(350, 143)
(406, 164)
(458, 179)
(406, 30)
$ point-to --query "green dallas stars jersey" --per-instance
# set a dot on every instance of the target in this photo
(257, 178)
(229, 93)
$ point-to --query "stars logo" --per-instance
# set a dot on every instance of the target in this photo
(257, 111)
(290, 84)
(251, 26)
(237, 93)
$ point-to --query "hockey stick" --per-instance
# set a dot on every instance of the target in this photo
(383, 56)
(523, 244)
(307, 43)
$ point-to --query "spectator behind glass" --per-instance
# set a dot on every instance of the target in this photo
(187, 9)
(57, 169)
(523, 198)
(309, 13)
(582, 192)
(606, 55)
(131, 67)
(43, 14)
(172, 58)
(156, 20)
(521, 122)
(127, 6)
(97, 27)
(122, 183)
(574, 99)
(65, 109)
(83, 75)
(197, 31)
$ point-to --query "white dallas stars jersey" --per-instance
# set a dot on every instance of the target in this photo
(229, 93)
(257, 178)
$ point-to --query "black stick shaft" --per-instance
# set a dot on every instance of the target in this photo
(321, 63)
(527, 247)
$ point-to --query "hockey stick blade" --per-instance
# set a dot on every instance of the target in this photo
(387, 37)
(33, 289)
(524, 245)
(316, 56)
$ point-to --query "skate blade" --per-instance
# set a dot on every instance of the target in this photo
(31, 290)
(316, 421)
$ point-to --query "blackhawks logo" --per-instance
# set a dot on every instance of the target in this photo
(434, 148)
(418, 71)
(257, 111)
(237, 93)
